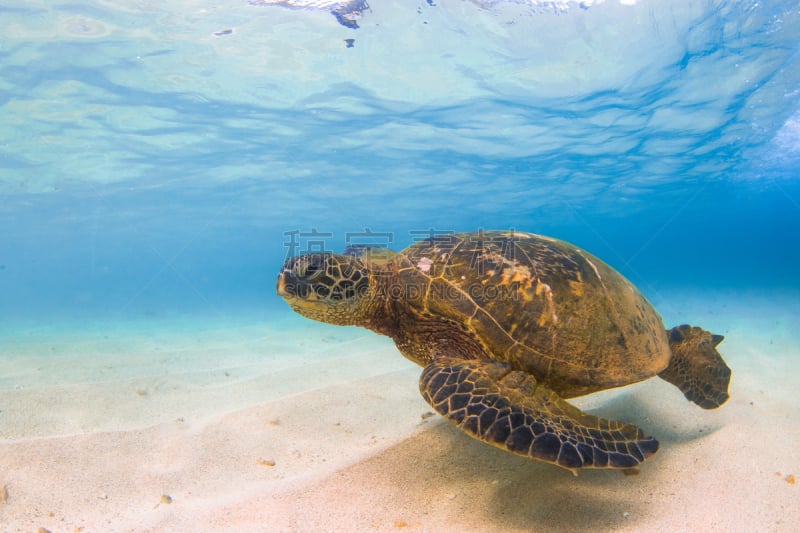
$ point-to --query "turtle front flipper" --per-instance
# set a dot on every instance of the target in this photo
(509, 409)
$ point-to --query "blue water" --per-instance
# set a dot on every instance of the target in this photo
(149, 166)
(160, 160)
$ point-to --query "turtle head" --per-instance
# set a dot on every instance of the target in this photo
(327, 287)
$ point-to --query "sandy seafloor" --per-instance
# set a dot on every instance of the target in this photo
(289, 425)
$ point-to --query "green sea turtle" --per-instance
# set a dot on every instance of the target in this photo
(507, 326)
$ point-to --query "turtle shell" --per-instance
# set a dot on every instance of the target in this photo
(543, 305)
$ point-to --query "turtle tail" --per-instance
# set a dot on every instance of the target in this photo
(696, 367)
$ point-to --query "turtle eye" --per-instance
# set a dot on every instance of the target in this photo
(310, 266)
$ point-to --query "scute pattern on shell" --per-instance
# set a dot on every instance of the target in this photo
(543, 305)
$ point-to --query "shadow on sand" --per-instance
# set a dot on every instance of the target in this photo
(444, 476)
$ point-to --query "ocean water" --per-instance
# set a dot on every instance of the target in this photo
(160, 160)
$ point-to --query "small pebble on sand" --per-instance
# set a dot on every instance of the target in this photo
(165, 499)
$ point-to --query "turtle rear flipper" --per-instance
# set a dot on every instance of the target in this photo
(696, 367)
(509, 409)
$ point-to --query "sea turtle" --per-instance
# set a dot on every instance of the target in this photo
(508, 325)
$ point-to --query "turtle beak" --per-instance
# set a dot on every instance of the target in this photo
(289, 286)
(283, 288)
(281, 285)
(297, 279)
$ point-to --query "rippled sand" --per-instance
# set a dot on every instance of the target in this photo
(295, 426)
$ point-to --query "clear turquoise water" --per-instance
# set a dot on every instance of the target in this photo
(150, 166)
(154, 167)
(151, 169)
